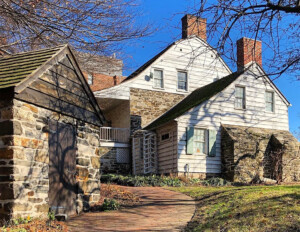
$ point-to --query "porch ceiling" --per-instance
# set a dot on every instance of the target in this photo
(107, 104)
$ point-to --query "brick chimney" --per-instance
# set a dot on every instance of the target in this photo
(248, 50)
(192, 25)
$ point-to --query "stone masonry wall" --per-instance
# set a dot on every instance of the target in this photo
(30, 161)
(246, 154)
(6, 152)
(150, 104)
(109, 162)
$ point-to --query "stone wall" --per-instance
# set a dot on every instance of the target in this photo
(109, 162)
(248, 155)
(6, 152)
(29, 162)
(151, 104)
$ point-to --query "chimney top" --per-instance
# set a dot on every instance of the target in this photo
(248, 50)
(193, 25)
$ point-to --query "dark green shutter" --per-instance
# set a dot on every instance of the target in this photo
(190, 140)
(212, 140)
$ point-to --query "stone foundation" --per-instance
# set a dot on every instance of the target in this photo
(24, 161)
(251, 155)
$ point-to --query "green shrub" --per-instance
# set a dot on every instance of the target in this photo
(216, 182)
(110, 204)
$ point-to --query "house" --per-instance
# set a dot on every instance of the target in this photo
(155, 87)
(49, 135)
(189, 114)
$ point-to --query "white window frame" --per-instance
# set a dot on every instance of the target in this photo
(90, 79)
(273, 101)
(163, 81)
(187, 81)
(244, 107)
(205, 141)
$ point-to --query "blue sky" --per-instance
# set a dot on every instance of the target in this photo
(165, 16)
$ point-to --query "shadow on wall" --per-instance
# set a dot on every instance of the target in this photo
(252, 155)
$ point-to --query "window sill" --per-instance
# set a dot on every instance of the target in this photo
(182, 90)
(158, 88)
(240, 109)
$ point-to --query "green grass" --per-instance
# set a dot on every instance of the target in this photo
(249, 208)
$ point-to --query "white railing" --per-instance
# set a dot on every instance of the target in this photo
(111, 134)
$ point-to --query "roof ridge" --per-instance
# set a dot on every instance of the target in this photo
(33, 51)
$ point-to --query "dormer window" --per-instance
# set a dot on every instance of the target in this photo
(158, 78)
(90, 79)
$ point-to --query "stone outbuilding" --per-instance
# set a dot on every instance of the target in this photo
(49, 135)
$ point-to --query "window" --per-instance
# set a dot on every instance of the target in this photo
(182, 80)
(269, 98)
(199, 141)
(240, 100)
(90, 79)
(158, 78)
(165, 136)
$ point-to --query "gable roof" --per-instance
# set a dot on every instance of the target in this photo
(22, 69)
(197, 97)
(153, 59)
(15, 68)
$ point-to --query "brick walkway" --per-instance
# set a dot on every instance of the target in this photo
(160, 210)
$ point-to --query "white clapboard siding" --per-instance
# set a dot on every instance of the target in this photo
(191, 55)
(220, 110)
(167, 150)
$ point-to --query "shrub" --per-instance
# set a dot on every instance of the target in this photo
(110, 204)
(215, 182)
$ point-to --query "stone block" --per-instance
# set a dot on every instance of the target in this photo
(83, 161)
(6, 153)
(43, 208)
(95, 162)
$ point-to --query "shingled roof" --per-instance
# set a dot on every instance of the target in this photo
(15, 68)
(197, 97)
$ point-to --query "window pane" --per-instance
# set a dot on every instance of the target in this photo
(239, 92)
(158, 78)
(182, 80)
(240, 98)
(269, 96)
(269, 107)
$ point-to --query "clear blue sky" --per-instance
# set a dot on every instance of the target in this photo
(165, 15)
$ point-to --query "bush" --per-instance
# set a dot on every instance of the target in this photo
(216, 182)
(110, 204)
(159, 181)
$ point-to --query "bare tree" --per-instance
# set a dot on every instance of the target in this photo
(96, 26)
(275, 22)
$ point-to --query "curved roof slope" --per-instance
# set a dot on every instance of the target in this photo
(197, 97)
(15, 68)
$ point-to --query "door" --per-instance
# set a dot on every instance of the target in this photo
(62, 168)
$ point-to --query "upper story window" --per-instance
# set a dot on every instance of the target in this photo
(182, 80)
(90, 79)
(158, 78)
(269, 99)
(240, 98)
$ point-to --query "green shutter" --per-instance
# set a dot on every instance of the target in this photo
(212, 140)
(189, 140)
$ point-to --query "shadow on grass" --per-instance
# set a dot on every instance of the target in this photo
(228, 210)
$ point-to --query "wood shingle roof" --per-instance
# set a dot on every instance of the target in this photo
(15, 68)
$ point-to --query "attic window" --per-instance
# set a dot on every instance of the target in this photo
(158, 78)
(269, 98)
(240, 97)
(182, 80)
(165, 136)
(90, 79)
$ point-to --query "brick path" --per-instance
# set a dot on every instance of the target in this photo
(160, 210)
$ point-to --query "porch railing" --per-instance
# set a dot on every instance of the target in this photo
(112, 134)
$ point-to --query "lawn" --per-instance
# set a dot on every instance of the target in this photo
(249, 208)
